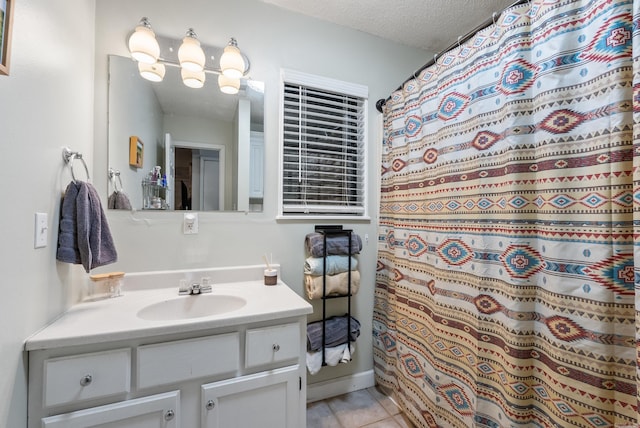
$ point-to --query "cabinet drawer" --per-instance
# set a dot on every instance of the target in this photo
(87, 376)
(183, 360)
(272, 344)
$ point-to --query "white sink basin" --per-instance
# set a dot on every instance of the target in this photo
(186, 307)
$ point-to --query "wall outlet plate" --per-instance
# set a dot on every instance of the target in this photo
(190, 223)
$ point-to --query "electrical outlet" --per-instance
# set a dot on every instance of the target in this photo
(40, 231)
(190, 223)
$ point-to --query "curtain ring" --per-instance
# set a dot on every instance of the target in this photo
(494, 15)
(459, 38)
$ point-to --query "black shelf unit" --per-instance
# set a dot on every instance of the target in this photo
(329, 231)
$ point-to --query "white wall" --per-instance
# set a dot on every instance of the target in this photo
(273, 39)
(46, 103)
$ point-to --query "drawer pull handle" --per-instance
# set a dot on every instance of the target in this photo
(86, 380)
(210, 405)
(276, 347)
(169, 415)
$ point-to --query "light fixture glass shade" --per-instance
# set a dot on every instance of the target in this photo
(143, 45)
(153, 72)
(192, 79)
(231, 62)
(228, 85)
(190, 54)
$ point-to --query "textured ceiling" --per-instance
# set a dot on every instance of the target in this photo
(431, 25)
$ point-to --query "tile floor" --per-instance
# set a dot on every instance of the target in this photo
(364, 408)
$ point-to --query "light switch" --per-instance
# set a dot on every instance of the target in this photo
(41, 230)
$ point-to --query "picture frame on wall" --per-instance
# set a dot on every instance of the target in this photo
(6, 24)
(136, 151)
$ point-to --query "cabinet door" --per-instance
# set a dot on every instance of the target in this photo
(156, 411)
(266, 400)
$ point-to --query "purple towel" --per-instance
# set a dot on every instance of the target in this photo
(337, 245)
(119, 201)
(84, 236)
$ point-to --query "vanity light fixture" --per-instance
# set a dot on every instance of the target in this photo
(143, 44)
(192, 79)
(153, 72)
(190, 54)
(231, 61)
(190, 57)
(228, 85)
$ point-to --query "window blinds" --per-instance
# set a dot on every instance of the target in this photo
(323, 152)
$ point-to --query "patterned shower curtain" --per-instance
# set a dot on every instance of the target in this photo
(505, 289)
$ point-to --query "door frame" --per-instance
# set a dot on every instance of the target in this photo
(203, 146)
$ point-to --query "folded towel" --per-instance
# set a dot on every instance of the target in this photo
(335, 264)
(336, 244)
(335, 331)
(119, 201)
(336, 285)
(84, 236)
(332, 356)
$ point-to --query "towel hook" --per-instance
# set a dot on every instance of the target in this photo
(69, 156)
(113, 173)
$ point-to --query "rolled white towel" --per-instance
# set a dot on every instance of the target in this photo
(335, 264)
(332, 356)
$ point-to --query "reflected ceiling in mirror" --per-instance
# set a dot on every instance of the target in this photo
(167, 115)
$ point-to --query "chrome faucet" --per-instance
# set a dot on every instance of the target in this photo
(194, 289)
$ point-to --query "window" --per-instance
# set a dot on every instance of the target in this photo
(323, 156)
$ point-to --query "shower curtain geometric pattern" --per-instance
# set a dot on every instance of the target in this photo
(506, 277)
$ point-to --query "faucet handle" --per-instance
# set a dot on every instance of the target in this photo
(184, 289)
(205, 284)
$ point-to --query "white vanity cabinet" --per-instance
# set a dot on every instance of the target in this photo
(236, 376)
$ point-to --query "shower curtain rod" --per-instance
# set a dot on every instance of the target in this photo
(462, 39)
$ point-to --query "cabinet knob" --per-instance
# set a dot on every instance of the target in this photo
(210, 405)
(276, 347)
(86, 380)
(169, 415)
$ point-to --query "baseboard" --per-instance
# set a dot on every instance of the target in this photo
(342, 385)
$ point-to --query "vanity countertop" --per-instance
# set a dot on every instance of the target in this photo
(116, 319)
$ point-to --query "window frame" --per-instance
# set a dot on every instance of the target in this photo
(292, 77)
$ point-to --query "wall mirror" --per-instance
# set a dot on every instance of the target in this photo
(208, 145)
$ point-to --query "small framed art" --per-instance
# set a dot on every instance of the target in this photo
(6, 23)
(136, 151)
